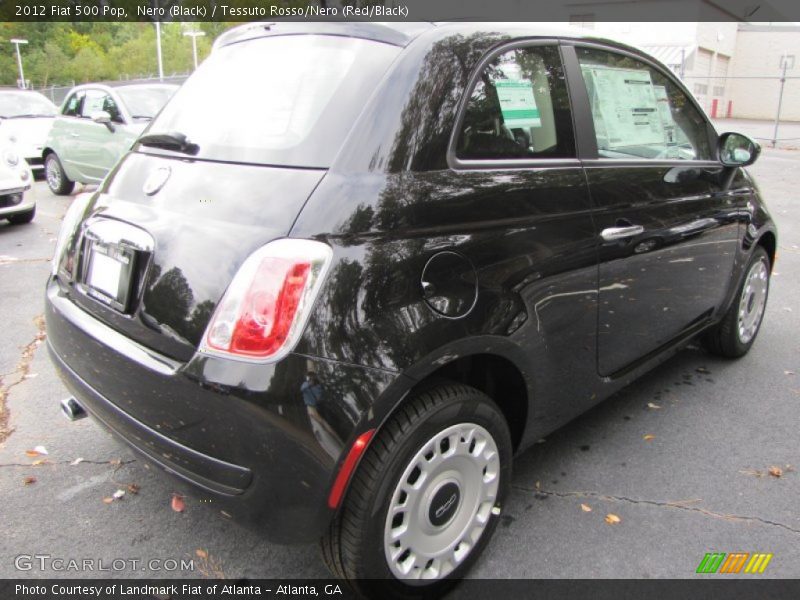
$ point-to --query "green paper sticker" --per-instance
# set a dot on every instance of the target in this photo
(517, 103)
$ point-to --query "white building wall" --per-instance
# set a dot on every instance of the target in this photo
(758, 54)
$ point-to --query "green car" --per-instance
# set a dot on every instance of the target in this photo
(96, 126)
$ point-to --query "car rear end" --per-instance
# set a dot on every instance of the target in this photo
(176, 297)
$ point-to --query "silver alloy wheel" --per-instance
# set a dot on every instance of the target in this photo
(53, 173)
(442, 503)
(752, 301)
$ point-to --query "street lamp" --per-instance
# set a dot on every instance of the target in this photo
(194, 35)
(17, 42)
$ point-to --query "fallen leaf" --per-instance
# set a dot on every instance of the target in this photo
(702, 370)
(177, 503)
(201, 553)
(115, 462)
(612, 519)
(775, 471)
(40, 450)
(133, 488)
(586, 508)
(29, 480)
(653, 405)
(108, 500)
(41, 461)
(648, 437)
(77, 461)
(118, 495)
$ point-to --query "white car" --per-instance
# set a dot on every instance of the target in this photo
(25, 119)
(15, 180)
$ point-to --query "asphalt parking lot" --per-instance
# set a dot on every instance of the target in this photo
(682, 458)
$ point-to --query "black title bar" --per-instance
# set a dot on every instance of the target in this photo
(400, 10)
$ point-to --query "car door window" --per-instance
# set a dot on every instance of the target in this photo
(518, 109)
(72, 107)
(639, 112)
(94, 102)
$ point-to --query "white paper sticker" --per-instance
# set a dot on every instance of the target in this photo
(624, 107)
(517, 103)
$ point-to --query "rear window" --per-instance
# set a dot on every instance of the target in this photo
(143, 101)
(283, 100)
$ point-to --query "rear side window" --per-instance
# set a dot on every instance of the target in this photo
(281, 100)
(638, 112)
(519, 109)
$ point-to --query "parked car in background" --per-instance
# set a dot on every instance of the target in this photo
(97, 124)
(25, 120)
(15, 181)
(351, 269)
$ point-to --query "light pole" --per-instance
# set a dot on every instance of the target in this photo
(17, 42)
(194, 35)
(158, 52)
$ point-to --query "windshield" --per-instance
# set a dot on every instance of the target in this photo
(25, 104)
(282, 100)
(144, 102)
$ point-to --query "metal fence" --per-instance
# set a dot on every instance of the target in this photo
(57, 93)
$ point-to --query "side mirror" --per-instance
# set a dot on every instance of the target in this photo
(737, 150)
(103, 118)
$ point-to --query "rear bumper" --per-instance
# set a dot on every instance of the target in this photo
(205, 472)
(243, 437)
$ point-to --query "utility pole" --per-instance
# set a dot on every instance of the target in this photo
(194, 35)
(17, 42)
(158, 52)
(784, 66)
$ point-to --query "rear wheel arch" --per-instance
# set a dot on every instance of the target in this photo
(494, 375)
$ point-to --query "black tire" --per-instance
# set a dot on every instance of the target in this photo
(353, 548)
(57, 179)
(725, 339)
(23, 217)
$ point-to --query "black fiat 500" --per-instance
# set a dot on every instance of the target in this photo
(351, 269)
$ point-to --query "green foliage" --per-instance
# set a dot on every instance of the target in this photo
(60, 53)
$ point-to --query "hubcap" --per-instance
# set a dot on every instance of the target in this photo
(442, 503)
(53, 175)
(753, 301)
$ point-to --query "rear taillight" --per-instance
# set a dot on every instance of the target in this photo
(264, 310)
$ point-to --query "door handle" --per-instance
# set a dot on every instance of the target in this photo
(620, 233)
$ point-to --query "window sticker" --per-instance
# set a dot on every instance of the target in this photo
(625, 108)
(517, 104)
